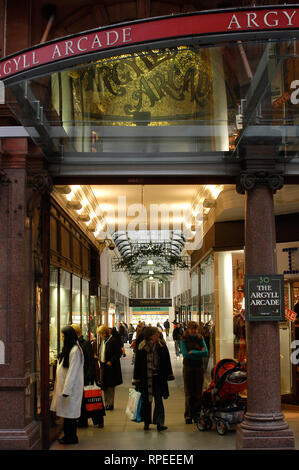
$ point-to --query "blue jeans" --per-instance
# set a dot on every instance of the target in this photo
(177, 347)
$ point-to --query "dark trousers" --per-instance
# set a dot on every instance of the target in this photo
(83, 420)
(159, 414)
(193, 382)
(70, 429)
(177, 347)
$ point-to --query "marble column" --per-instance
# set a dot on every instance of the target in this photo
(264, 426)
(18, 427)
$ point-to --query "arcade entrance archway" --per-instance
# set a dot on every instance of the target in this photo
(130, 104)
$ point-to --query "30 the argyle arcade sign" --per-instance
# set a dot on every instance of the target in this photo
(149, 30)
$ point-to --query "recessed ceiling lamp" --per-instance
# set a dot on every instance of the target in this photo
(150, 261)
(84, 217)
(215, 190)
(63, 189)
(76, 205)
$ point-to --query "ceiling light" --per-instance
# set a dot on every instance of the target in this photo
(84, 217)
(70, 196)
(214, 190)
(91, 228)
(76, 205)
(63, 189)
(150, 261)
(151, 272)
(208, 203)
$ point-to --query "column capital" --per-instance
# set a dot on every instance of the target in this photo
(39, 184)
(249, 179)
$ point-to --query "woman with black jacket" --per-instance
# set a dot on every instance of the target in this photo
(152, 370)
(110, 353)
(89, 371)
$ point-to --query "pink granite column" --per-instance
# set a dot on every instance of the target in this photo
(18, 428)
(264, 426)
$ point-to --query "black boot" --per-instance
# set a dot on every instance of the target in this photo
(161, 427)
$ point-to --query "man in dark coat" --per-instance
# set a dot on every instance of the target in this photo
(176, 336)
(110, 353)
(166, 325)
(152, 370)
(122, 332)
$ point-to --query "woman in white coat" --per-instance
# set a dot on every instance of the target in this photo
(69, 383)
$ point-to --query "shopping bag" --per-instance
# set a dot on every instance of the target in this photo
(93, 398)
(134, 402)
(138, 413)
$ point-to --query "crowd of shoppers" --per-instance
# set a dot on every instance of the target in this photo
(83, 362)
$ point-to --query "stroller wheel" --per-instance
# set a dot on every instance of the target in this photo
(204, 424)
(221, 427)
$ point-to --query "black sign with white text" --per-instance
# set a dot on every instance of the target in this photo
(264, 297)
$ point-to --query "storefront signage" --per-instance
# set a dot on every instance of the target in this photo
(264, 297)
(291, 264)
(258, 19)
(164, 310)
(150, 302)
(290, 315)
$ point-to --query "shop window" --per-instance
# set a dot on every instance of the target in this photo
(148, 290)
(140, 290)
(65, 298)
(239, 307)
(85, 308)
(92, 316)
(167, 290)
(76, 300)
(160, 290)
(53, 314)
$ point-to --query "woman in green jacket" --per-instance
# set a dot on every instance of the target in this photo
(193, 349)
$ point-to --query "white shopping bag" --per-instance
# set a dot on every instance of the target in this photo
(132, 406)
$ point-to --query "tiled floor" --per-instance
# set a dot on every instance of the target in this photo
(119, 433)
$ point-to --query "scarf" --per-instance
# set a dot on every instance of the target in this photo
(103, 349)
(152, 364)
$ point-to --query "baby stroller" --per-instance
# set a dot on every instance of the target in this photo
(221, 402)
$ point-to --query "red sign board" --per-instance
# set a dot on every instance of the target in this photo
(290, 315)
(230, 21)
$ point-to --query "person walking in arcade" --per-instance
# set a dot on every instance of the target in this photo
(110, 352)
(68, 388)
(193, 349)
(152, 370)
